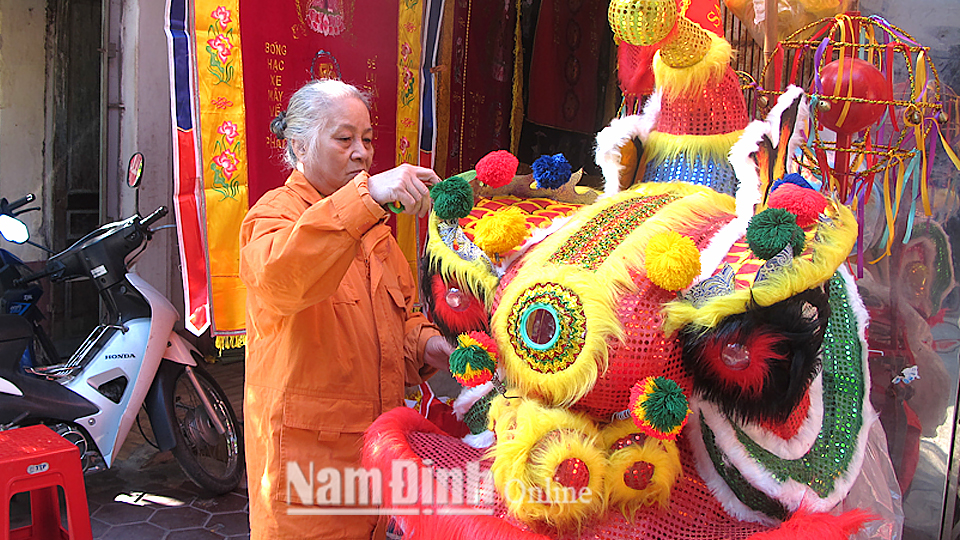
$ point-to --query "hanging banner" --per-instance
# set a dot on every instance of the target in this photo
(231, 78)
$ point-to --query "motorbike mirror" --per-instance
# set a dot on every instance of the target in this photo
(135, 170)
(13, 230)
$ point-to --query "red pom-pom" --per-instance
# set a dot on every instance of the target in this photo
(804, 203)
(497, 168)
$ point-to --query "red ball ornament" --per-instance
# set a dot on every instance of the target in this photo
(867, 83)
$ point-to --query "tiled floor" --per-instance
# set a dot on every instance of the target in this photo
(145, 495)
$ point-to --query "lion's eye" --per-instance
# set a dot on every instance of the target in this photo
(735, 356)
(456, 299)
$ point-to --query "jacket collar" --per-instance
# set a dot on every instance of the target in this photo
(302, 187)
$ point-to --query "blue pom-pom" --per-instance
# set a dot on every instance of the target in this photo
(792, 178)
(551, 172)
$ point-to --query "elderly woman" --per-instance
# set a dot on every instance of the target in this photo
(332, 338)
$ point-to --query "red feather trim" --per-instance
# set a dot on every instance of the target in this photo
(804, 526)
(474, 317)
(759, 348)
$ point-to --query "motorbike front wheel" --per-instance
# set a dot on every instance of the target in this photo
(212, 460)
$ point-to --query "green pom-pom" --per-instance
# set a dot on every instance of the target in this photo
(471, 365)
(452, 198)
(771, 230)
(666, 407)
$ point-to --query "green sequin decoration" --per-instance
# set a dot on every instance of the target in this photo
(843, 395)
(748, 495)
(590, 246)
(478, 413)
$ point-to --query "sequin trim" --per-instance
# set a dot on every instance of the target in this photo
(590, 246)
(704, 172)
(571, 324)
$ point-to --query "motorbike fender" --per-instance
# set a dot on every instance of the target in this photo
(158, 406)
(179, 352)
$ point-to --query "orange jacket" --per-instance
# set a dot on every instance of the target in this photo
(331, 342)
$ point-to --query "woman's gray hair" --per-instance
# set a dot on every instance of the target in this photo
(308, 112)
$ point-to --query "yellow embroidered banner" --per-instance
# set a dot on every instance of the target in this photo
(224, 158)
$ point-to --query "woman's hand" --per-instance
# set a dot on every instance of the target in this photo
(407, 185)
(437, 352)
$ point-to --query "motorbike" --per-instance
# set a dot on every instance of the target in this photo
(133, 359)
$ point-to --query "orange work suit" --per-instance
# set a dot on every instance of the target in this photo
(332, 340)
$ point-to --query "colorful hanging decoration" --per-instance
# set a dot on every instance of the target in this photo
(877, 111)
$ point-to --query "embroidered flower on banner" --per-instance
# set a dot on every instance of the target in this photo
(227, 161)
(222, 14)
(404, 146)
(222, 45)
(229, 131)
(407, 87)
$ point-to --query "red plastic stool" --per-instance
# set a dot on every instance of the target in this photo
(37, 460)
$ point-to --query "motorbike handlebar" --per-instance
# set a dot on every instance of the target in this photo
(53, 267)
(9, 207)
(154, 217)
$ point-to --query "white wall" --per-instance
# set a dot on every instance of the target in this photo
(145, 127)
(22, 76)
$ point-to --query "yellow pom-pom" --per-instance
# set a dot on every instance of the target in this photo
(672, 260)
(500, 231)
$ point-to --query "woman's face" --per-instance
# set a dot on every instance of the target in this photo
(344, 147)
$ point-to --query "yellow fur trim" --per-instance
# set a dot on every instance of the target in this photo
(693, 79)
(568, 385)
(834, 245)
(662, 455)
(660, 147)
(598, 291)
(532, 441)
(474, 276)
(501, 231)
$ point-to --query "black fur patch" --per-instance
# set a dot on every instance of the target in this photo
(788, 378)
